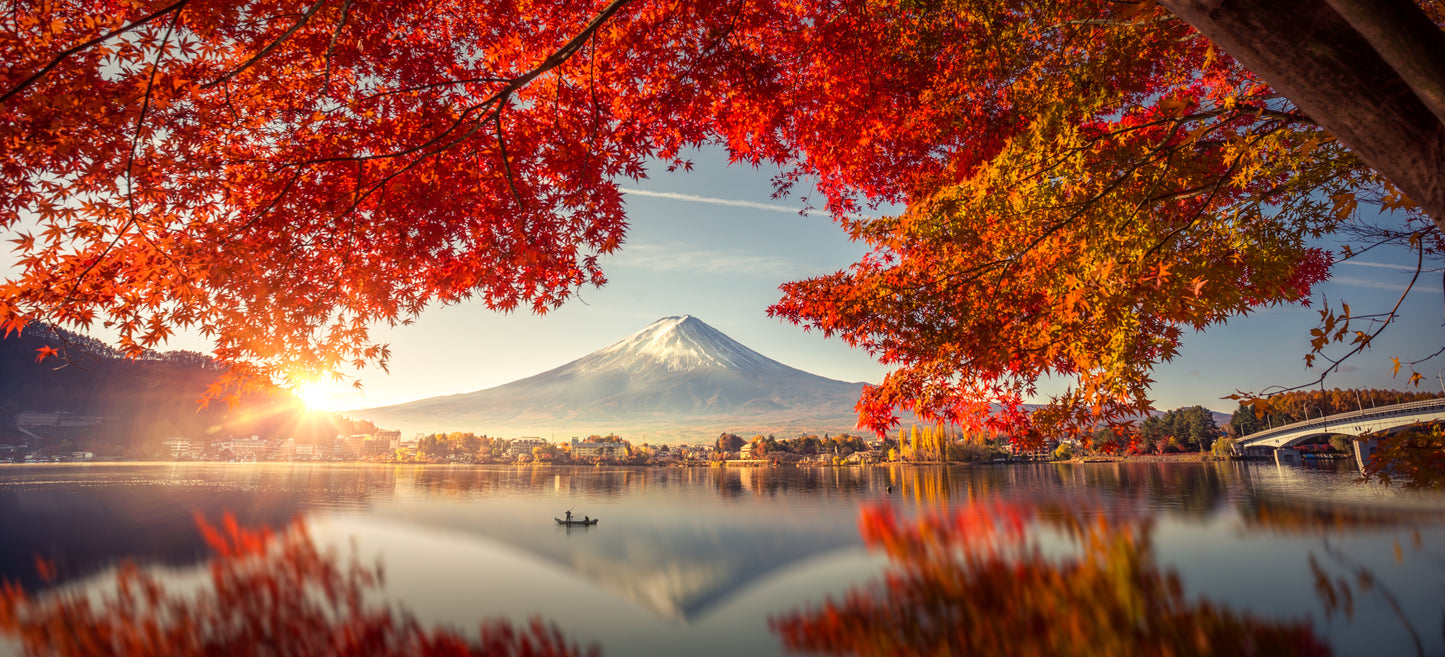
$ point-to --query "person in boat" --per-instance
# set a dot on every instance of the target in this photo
(586, 519)
(569, 515)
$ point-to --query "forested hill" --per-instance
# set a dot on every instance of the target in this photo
(140, 402)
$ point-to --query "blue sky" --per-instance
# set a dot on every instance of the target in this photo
(713, 243)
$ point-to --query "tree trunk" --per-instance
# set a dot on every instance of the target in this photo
(1377, 83)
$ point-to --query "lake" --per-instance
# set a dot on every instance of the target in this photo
(1112, 558)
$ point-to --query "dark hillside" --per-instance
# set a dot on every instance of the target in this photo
(115, 406)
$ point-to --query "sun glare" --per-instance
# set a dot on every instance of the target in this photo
(322, 395)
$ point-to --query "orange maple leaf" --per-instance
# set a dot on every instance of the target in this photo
(44, 353)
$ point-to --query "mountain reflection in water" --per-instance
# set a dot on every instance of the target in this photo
(727, 561)
(268, 593)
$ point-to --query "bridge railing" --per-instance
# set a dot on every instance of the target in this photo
(1393, 410)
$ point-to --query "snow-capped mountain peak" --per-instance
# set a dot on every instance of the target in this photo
(678, 344)
(677, 376)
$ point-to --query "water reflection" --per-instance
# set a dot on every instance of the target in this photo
(698, 560)
(268, 593)
(975, 580)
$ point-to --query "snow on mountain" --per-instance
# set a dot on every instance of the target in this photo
(677, 377)
(676, 344)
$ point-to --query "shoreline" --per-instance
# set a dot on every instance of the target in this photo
(1138, 458)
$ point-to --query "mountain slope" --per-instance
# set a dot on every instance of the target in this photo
(676, 376)
(137, 403)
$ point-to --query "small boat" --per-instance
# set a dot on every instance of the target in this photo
(576, 523)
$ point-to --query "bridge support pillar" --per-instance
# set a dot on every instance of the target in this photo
(1286, 455)
(1364, 449)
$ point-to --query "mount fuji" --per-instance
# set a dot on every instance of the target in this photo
(676, 379)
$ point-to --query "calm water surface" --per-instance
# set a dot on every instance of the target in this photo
(720, 562)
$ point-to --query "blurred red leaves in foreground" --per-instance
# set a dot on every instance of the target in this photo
(269, 593)
(977, 580)
(1411, 459)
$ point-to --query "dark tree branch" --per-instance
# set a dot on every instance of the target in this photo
(335, 34)
(66, 54)
(1407, 40)
(129, 164)
(300, 23)
(1331, 69)
(496, 100)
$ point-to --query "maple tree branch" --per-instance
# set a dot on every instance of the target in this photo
(1114, 22)
(506, 163)
(592, 90)
(1362, 339)
(67, 53)
(301, 22)
(235, 114)
(1213, 191)
(1238, 111)
(421, 87)
(129, 165)
(335, 34)
(1407, 39)
(1367, 582)
(496, 100)
(1441, 350)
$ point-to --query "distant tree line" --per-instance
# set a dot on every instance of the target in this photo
(70, 344)
(1182, 429)
(1300, 405)
(460, 443)
(838, 445)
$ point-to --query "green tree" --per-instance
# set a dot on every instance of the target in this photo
(1244, 420)
(545, 453)
(470, 444)
(729, 442)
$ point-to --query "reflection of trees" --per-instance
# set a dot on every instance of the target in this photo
(1299, 517)
(268, 594)
(1413, 459)
(484, 481)
(772, 482)
(1339, 580)
(1197, 489)
(976, 581)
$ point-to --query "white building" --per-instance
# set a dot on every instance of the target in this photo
(524, 445)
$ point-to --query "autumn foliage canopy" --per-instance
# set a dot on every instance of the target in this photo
(1083, 181)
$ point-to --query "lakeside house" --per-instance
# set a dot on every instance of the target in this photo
(523, 446)
(589, 450)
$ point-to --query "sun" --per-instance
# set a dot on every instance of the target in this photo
(315, 395)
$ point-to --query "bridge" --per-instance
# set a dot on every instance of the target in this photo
(1354, 423)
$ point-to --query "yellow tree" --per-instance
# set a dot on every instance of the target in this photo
(1084, 181)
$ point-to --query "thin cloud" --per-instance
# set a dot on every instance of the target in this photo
(1367, 283)
(677, 258)
(1381, 265)
(712, 200)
